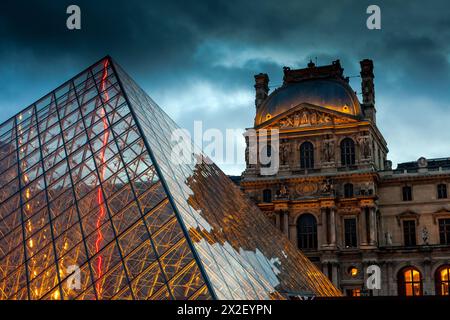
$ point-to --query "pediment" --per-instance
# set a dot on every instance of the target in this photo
(308, 115)
(408, 214)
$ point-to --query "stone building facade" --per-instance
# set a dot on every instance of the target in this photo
(335, 194)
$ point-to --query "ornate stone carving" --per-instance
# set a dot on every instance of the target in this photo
(327, 187)
(425, 235)
(306, 189)
(388, 238)
(306, 117)
(283, 192)
(285, 151)
(328, 150)
(422, 162)
(364, 146)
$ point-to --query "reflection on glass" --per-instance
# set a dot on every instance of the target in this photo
(92, 208)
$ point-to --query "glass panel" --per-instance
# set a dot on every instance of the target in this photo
(107, 212)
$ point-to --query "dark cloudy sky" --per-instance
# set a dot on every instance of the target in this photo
(197, 58)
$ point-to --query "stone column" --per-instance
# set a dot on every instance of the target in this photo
(286, 223)
(334, 277)
(323, 215)
(293, 234)
(332, 226)
(373, 226)
(363, 227)
(325, 269)
(427, 282)
(389, 279)
(277, 220)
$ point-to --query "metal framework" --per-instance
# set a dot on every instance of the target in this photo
(88, 191)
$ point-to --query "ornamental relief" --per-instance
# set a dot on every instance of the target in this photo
(306, 189)
(364, 142)
(305, 118)
(312, 188)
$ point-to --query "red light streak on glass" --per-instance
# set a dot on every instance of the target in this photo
(102, 210)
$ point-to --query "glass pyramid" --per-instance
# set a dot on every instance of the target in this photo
(92, 207)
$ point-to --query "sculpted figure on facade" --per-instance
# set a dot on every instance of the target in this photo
(283, 192)
(327, 186)
(304, 118)
(285, 151)
(328, 150)
(425, 235)
(388, 238)
(364, 146)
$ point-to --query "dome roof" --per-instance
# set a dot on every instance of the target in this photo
(334, 94)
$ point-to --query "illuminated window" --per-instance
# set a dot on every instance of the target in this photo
(442, 279)
(355, 292)
(307, 232)
(442, 191)
(353, 271)
(347, 152)
(409, 282)
(307, 155)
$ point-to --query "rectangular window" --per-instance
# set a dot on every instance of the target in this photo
(350, 233)
(267, 195)
(444, 231)
(356, 292)
(409, 232)
(407, 193)
(442, 191)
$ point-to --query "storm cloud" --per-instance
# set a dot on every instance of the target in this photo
(197, 59)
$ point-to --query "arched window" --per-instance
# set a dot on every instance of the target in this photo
(267, 195)
(442, 279)
(307, 231)
(409, 282)
(306, 155)
(347, 152)
(348, 190)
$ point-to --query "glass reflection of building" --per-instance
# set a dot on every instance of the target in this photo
(87, 189)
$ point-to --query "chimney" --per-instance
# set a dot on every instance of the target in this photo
(261, 88)
(368, 89)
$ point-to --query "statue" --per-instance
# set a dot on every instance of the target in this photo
(304, 118)
(425, 235)
(313, 119)
(284, 153)
(327, 186)
(364, 146)
(296, 120)
(283, 192)
(388, 238)
(328, 150)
